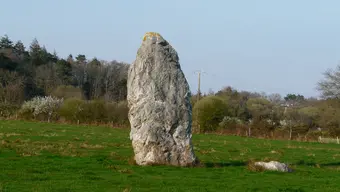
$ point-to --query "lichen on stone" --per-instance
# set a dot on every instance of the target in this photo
(151, 34)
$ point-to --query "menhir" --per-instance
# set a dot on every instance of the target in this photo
(160, 112)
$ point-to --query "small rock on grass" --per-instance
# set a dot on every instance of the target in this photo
(273, 166)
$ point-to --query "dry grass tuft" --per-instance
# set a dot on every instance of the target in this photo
(49, 135)
(280, 152)
(117, 169)
(132, 161)
(268, 159)
(212, 150)
(4, 142)
(255, 168)
(127, 190)
(9, 134)
(126, 171)
(30, 153)
(88, 146)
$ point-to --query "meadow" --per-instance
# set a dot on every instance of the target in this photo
(58, 157)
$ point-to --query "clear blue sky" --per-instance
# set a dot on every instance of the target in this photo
(263, 45)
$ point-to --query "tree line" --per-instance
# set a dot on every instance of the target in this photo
(274, 116)
(38, 84)
(27, 73)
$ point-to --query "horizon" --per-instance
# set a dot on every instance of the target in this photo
(271, 47)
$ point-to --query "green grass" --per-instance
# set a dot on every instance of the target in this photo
(53, 157)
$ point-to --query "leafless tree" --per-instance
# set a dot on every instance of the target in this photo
(11, 87)
(114, 74)
(330, 85)
(275, 98)
(47, 78)
(78, 73)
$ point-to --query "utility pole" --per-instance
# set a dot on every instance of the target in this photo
(197, 125)
(199, 73)
(199, 86)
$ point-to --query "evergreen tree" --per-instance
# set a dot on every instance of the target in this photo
(35, 53)
(19, 48)
(64, 71)
(6, 43)
(94, 63)
(81, 59)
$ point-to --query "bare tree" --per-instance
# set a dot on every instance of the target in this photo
(330, 85)
(46, 77)
(114, 75)
(275, 98)
(95, 76)
(110, 80)
(78, 74)
(293, 119)
(11, 87)
(105, 79)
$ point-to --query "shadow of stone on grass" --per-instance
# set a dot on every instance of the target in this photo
(224, 164)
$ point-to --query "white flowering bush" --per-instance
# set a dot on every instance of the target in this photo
(43, 107)
(228, 121)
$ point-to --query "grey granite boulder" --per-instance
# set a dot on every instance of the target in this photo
(160, 112)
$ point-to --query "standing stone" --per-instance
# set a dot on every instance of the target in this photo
(160, 111)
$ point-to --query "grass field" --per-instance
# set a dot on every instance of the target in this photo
(52, 157)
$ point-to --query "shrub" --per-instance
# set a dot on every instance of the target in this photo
(208, 113)
(193, 100)
(231, 125)
(42, 108)
(122, 111)
(314, 135)
(94, 111)
(117, 113)
(111, 113)
(26, 112)
(8, 110)
(71, 109)
(229, 121)
(261, 127)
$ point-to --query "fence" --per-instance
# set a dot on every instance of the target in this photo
(329, 140)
